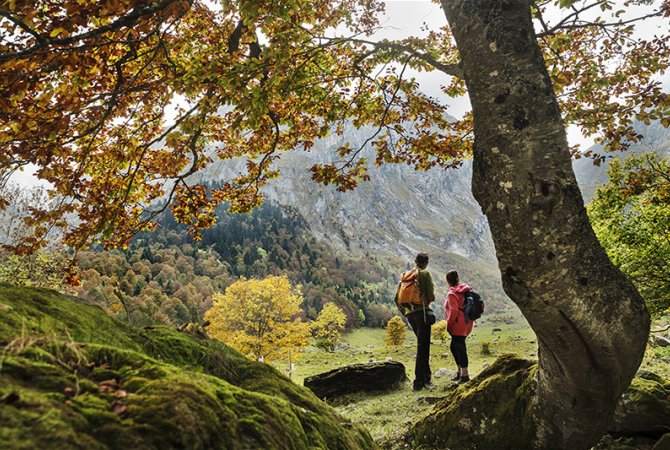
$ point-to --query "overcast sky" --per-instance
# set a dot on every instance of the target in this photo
(405, 17)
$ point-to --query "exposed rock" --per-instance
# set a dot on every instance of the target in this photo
(481, 413)
(369, 377)
(660, 341)
(443, 372)
(395, 214)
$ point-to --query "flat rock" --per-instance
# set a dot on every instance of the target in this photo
(366, 377)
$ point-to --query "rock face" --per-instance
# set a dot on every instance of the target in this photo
(367, 377)
(656, 138)
(72, 377)
(396, 214)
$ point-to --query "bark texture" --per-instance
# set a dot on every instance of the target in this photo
(590, 322)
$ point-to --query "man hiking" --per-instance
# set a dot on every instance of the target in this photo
(413, 297)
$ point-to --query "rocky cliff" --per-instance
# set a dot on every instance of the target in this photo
(396, 214)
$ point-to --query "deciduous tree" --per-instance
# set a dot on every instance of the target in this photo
(631, 217)
(85, 86)
(396, 330)
(259, 317)
(329, 325)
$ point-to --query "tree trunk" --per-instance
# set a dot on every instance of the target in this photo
(590, 322)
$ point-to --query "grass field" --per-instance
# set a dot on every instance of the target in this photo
(389, 415)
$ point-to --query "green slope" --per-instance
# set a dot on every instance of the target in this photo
(72, 377)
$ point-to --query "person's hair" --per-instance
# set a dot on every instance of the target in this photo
(452, 278)
(421, 260)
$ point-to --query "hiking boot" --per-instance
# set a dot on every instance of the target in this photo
(464, 379)
(456, 378)
(418, 386)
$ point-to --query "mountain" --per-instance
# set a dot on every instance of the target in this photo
(395, 215)
(589, 176)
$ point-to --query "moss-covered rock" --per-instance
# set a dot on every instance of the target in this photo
(72, 377)
(495, 411)
(484, 413)
(644, 409)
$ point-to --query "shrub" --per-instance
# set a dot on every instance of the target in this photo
(395, 331)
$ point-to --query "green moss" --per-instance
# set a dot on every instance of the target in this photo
(480, 414)
(40, 312)
(644, 409)
(80, 379)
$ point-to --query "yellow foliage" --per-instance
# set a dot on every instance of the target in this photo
(395, 331)
(329, 325)
(259, 317)
(440, 331)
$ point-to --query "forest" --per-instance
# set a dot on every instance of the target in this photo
(143, 305)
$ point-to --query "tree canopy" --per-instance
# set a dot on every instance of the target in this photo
(259, 317)
(329, 325)
(117, 103)
(631, 216)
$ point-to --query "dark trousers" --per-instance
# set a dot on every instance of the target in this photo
(421, 329)
(459, 351)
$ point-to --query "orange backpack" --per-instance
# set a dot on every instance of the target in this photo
(408, 289)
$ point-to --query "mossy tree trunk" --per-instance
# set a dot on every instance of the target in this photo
(590, 321)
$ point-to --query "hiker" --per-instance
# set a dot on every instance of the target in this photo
(457, 326)
(413, 297)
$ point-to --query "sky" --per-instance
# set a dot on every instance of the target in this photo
(405, 17)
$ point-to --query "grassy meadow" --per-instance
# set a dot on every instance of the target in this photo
(388, 415)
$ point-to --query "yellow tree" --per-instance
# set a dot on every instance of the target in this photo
(395, 331)
(329, 325)
(259, 317)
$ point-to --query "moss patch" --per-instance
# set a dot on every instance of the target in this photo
(72, 377)
(481, 413)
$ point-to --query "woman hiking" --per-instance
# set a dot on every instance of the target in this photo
(457, 326)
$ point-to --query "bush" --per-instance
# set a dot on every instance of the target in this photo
(395, 331)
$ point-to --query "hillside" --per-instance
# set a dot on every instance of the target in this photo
(73, 378)
(167, 277)
(396, 214)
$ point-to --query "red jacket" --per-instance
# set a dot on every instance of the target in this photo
(453, 310)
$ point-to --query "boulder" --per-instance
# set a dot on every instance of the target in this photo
(483, 413)
(443, 372)
(75, 378)
(366, 377)
(660, 341)
(644, 409)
